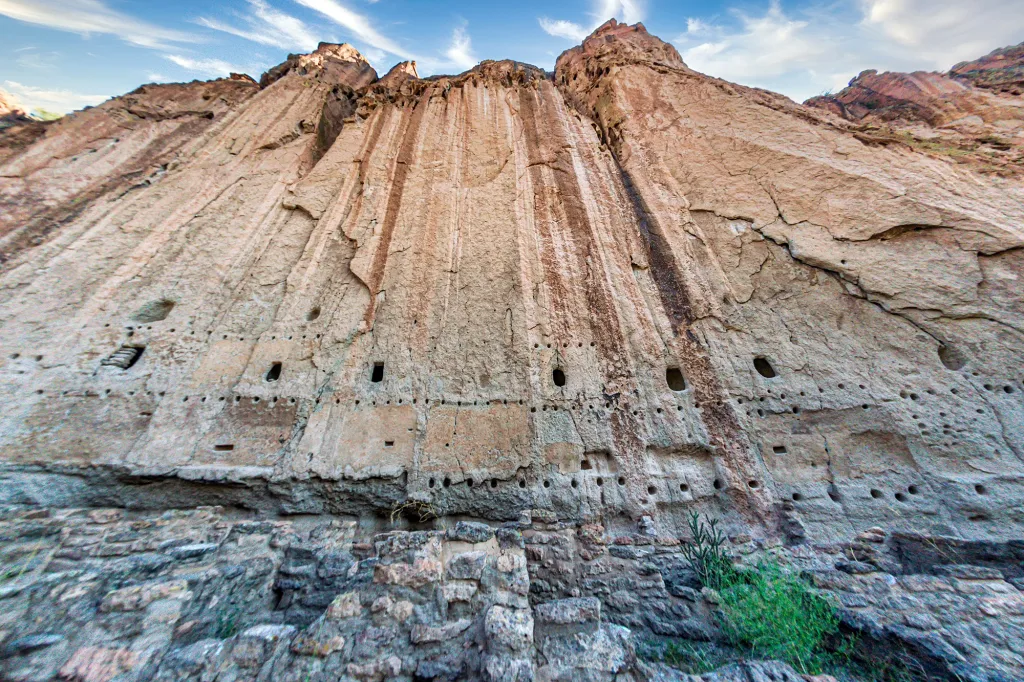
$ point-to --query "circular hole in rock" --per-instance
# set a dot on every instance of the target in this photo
(622, 481)
(764, 368)
(797, 497)
(683, 487)
(754, 484)
(877, 494)
(901, 497)
(674, 379)
(718, 484)
(651, 490)
(980, 489)
(913, 490)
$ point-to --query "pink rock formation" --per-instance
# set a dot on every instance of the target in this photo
(973, 114)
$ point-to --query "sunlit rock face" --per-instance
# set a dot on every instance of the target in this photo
(625, 289)
(618, 293)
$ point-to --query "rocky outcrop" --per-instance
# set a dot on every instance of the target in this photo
(1001, 70)
(972, 114)
(11, 112)
(606, 297)
(17, 128)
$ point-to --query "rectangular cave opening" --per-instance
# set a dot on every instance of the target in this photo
(124, 357)
(227, 447)
(378, 373)
(675, 380)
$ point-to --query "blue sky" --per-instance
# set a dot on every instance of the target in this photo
(64, 54)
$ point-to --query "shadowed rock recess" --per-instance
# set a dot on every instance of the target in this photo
(333, 377)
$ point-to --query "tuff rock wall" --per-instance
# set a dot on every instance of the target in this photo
(612, 295)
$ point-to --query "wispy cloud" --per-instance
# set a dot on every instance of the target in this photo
(375, 45)
(215, 68)
(562, 28)
(946, 31)
(266, 25)
(39, 61)
(359, 26)
(803, 54)
(629, 11)
(91, 16)
(460, 52)
(764, 46)
(59, 101)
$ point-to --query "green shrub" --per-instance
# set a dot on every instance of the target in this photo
(767, 609)
(779, 615)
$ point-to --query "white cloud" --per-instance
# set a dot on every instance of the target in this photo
(215, 68)
(945, 31)
(460, 52)
(560, 28)
(629, 11)
(91, 16)
(696, 27)
(357, 24)
(59, 101)
(765, 46)
(823, 47)
(268, 26)
(374, 45)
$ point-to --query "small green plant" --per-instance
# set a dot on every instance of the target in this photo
(227, 624)
(691, 658)
(8, 573)
(766, 609)
(707, 554)
(778, 614)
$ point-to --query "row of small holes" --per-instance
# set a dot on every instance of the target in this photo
(878, 494)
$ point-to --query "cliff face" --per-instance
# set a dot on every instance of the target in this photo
(625, 292)
(586, 271)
